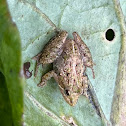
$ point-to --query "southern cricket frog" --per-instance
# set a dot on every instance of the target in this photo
(70, 57)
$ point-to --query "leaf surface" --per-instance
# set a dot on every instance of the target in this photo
(36, 21)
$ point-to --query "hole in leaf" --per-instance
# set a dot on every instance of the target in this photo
(110, 34)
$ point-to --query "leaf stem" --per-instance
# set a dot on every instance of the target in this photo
(118, 112)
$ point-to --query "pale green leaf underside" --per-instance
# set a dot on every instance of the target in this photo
(123, 6)
(91, 19)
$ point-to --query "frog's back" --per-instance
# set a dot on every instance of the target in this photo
(69, 66)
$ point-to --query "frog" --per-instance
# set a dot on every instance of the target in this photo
(70, 58)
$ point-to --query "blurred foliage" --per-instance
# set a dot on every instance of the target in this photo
(11, 88)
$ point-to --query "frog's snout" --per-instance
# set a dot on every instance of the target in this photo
(70, 97)
(72, 102)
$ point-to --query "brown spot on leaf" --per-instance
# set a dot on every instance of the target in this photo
(27, 73)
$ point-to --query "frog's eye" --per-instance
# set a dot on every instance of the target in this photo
(67, 92)
(67, 74)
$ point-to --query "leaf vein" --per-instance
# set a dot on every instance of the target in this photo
(43, 109)
(36, 9)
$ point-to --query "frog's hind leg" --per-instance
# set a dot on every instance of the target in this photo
(46, 77)
(37, 57)
(54, 48)
(85, 53)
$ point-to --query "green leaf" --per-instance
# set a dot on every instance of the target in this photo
(36, 21)
(11, 92)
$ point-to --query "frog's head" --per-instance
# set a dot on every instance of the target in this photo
(70, 96)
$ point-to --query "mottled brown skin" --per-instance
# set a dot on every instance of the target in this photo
(52, 50)
(68, 66)
(85, 52)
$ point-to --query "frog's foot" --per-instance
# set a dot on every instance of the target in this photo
(42, 84)
(93, 72)
(37, 57)
(91, 66)
(46, 77)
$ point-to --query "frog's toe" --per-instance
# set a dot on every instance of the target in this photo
(37, 57)
(42, 84)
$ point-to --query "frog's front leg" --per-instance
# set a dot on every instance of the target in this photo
(85, 52)
(52, 50)
(46, 77)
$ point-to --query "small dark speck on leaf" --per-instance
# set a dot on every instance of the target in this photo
(47, 33)
(27, 73)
